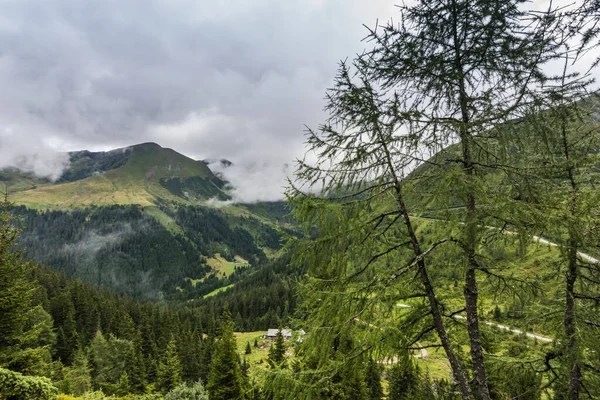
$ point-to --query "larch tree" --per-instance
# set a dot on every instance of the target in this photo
(448, 72)
(561, 149)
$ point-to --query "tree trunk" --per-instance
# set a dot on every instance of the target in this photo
(569, 322)
(570, 326)
(458, 370)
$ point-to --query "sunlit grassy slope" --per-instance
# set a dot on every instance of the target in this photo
(152, 173)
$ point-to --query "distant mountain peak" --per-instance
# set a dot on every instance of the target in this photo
(143, 174)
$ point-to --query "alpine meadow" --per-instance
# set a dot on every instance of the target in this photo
(438, 240)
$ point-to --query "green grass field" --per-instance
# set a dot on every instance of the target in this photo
(258, 357)
(224, 267)
(166, 221)
(219, 290)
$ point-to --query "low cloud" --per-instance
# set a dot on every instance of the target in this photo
(36, 157)
(258, 181)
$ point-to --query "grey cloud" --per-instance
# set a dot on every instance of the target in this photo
(37, 158)
(236, 79)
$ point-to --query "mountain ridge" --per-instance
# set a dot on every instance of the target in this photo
(145, 174)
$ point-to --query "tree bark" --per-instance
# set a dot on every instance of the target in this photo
(471, 293)
(569, 321)
(458, 370)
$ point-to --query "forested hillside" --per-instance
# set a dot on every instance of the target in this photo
(80, 339)
(128, 250)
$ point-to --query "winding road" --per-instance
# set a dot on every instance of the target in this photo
(531, 335)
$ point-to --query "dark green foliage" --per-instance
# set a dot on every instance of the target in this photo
(514, 381)
(127, 250)
(373, 380)
(110, 355)
(67, 338)
(118, 247)
(404, 378)
(109, 359)
(497, 313)
(225, 381)
(137, 371)
(77, 378)
(277, 357)
(245, 368)
(207, 350)
(123, 385)
(15, 289)
(21, 323)
(264, 298)
(86, 163)
(168, 374)
(190, 351)
(211, 232)
(248, 348)
(350, 382)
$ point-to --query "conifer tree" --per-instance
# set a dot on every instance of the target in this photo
(564, 137)
(277, 357)
(78, 375)
(110, 358)
(207, 350)
(123, 385)
(99, 357)
(67, 337)
(225, 381)
(373, 378)
(190, 351)
(20, 349)
(352, 381)
(137, 367)
(168, 374)
(451, 71)
(404, 380)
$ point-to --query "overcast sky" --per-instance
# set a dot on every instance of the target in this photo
(234, 79)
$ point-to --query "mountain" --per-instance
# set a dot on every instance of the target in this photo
(137, 220)
(145, 174)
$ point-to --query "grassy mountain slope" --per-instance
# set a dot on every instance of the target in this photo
(145, 175)
(16, 180)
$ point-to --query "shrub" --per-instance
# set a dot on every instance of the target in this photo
(16, 386)
(184, 392)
